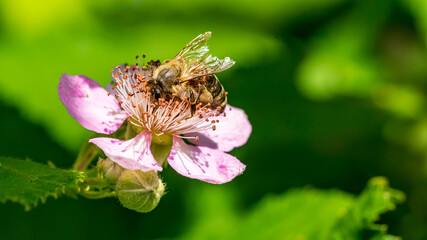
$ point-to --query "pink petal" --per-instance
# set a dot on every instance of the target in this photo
(113, 91)
(89, 104)
(232, 131)
(113, 80)
(203, 163)
(131, 154)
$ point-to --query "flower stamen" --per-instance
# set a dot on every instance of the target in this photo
(170, 116)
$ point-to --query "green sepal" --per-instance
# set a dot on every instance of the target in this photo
(161, 146)
(108, 170)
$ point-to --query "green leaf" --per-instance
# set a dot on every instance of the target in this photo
(298, 214)
(28, 182)
(376, 199)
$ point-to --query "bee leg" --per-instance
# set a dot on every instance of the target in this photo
(205, 97)
(193, 101)
(193, 109)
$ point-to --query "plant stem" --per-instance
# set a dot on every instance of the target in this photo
(87, 153)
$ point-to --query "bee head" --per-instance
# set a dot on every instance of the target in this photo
(156, 92)
(167, 75)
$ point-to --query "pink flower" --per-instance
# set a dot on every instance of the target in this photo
(212, 133)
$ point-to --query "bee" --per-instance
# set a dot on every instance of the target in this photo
(190, 76)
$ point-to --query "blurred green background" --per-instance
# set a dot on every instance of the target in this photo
(335, 90)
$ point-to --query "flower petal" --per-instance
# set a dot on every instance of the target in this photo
(203, 163)
(89, 104)
(113, 91)
(131, 154)
(232, 131)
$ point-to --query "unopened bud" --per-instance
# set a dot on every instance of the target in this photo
(139, 191)
(110, 170)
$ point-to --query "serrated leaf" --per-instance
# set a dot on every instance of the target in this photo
(376, 199)
(299, 214)
(29, 182)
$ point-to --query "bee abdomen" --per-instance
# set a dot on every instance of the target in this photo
(219, 96)
(217, 88)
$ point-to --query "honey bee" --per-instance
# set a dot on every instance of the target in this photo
(190, 76)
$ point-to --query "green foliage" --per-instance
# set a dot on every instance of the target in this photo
(347, 68)
(299, 214)
(28, 182)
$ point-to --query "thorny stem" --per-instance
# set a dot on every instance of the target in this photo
(97, 195)
(87, 153)
(95, 187)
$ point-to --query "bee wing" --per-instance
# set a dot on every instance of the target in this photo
(198, 61)
(196, 49)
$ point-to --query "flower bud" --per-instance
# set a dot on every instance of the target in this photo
(110, 170)
(139, 191)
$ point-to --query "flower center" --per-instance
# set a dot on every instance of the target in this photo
(158, 115)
